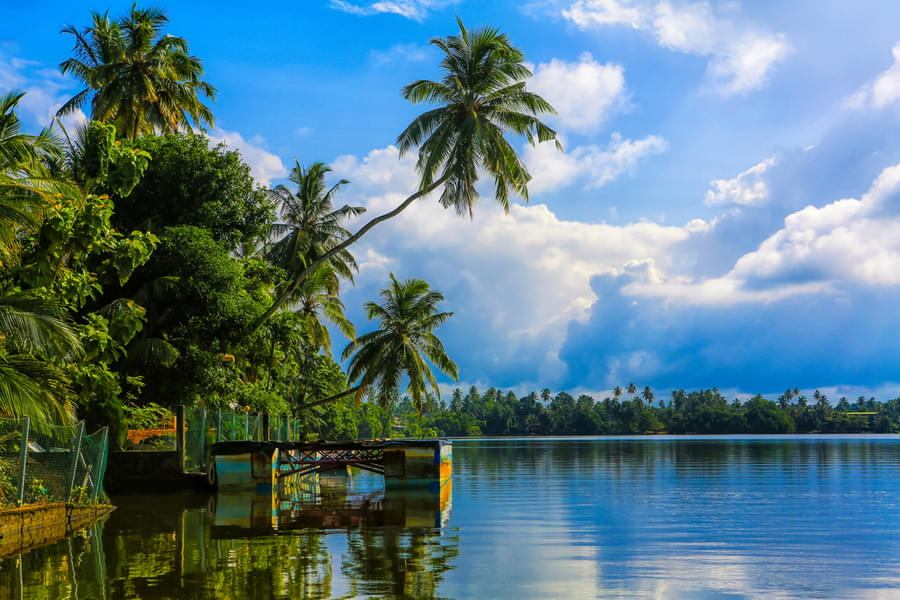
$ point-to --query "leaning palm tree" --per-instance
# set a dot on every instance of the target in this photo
(482, 97)
(310, 225)
(408, 314)
(136, 77)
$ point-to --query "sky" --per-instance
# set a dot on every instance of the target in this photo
(724, 212)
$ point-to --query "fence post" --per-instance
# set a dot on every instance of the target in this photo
(76, 454)
(218, 424)
(247, 425)
(202, 458)
(287, 429)
(265, 428)
(23, 457)
(233, 434)
(179, 436)
(101, 462)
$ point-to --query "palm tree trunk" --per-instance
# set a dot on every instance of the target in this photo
(282, 298)
(328, 399)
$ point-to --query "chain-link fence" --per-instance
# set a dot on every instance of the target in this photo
(205, 426)
(50, 463)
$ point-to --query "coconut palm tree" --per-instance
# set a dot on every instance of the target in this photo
(317, 300)
(617, 393)
(404, 344)
(34, 344)
(310, 224)
(632, 389)
(647, 395)
(136, 77)
(482, 97)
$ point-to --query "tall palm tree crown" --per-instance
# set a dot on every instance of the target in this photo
(408, 314)
(138, 79)
(310, 224)
(483, 96)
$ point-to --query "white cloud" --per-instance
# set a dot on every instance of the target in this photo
(45, 90)
(591, 165)
(399, 53)
(264, 166)
(584, 93)
(883, 91)
(515, 281)
(416, 10)
(590, 13)
(741, 56)
(848, 242)
(747, 189)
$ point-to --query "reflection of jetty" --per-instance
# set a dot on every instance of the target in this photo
(260, 466)
(316, 507)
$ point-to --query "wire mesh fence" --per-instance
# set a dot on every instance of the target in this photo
(205, 426)
(50, 463)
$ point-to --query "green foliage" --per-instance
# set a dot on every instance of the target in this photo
(147, 416)
(190, 183)
(136, 76)
(698, 412)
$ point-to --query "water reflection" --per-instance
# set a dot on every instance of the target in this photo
(662, 517)
(250, 546)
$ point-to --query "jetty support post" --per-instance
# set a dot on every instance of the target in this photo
(76, 454)
(23, 457)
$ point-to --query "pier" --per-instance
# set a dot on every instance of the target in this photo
(262, 466)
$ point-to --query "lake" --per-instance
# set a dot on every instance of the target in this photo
(615, 517)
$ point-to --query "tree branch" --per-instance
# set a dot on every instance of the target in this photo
(329, 399)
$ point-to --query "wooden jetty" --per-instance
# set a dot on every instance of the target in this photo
(261, 466)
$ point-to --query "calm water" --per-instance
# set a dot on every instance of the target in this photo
(734, 517)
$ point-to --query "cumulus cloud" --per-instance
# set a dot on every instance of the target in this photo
(514, 281)
(740, 55)
(584, 93)
(747, 189)
(812, 305)
(590, 165)
(416, 10)
(883, 91)
(264, 166)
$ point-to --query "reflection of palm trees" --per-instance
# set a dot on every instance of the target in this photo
(398, 562)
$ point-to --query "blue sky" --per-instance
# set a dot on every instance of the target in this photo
(723, 213)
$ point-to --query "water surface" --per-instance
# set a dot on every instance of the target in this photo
(658, 517)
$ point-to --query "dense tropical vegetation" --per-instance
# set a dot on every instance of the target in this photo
(142, 268)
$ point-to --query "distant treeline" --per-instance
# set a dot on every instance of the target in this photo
(704, 412)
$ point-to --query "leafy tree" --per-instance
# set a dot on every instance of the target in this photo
(404, 344)
(136, 77)
(190, 183)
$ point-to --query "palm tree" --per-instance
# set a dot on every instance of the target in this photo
(311, 226)
(34, 344)
(408, 316)
(647, 394)
(137, 78)
(617, 393)
(632, 389)
(316, 299)
(482, 97)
